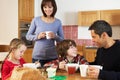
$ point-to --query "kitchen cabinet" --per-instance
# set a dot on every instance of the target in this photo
(86, 18)
(28, 55)
(26, 10)
(81, 50)
(90, 54)
(111, 16)
(26, 14)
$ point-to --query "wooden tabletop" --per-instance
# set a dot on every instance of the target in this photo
(75, 76)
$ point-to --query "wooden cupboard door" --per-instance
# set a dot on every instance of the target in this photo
(90, 54)
(86, 18)
(28, 55)
(81, 50)
(111, 16)
(26, 9)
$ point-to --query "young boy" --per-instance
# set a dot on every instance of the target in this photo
(67, 53)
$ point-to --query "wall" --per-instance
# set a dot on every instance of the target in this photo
(8, 20)
(68, 9)
(71, 32)
(67, 12)
(116, 32)
(84, 33)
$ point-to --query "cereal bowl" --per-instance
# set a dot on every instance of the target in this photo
(30, 65)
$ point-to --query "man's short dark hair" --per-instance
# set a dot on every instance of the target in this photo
(101, 26)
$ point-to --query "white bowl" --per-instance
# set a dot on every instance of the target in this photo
(71, 64)
(30, 65)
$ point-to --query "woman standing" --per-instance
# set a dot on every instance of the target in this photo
(44, 49)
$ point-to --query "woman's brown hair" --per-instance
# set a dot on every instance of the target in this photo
(47, 2)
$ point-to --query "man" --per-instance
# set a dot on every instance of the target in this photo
(108, 53)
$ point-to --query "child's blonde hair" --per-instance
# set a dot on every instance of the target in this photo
(16, 43)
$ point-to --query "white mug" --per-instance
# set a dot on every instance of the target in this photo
(83, 70)
(47, 36)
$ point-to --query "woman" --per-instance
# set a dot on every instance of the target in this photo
(14, 58)
(67, 52)
(44, 49)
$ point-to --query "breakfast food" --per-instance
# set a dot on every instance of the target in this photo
(25, 73)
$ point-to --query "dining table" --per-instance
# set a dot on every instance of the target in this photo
(63, 75)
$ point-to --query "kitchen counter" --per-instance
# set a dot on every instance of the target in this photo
(91, 47)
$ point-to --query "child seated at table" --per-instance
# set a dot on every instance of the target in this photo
(12, 67)
(14, 57)
(67, 53)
